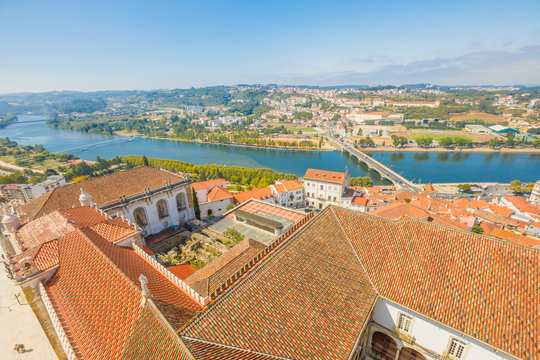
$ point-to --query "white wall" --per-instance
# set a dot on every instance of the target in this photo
(218, 207)
(430, 334)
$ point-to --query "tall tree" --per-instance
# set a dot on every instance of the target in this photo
(196, 205)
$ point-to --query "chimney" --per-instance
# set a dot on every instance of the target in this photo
(85, 199)
(145, 292)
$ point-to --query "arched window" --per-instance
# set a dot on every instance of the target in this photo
(410, 354)
(383, 346)
(181, 202)
(139, 214)
(162, 209)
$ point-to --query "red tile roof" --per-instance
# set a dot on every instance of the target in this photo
(62, 222)
(515, 238)
(399, 209)
(324, 175)
(213, 275)
(291, 185)
(97, 295)
(522, 205)
(104, 190)
(203, 350)
(254, 206)
(217, 193)
(317, 311)
(258, 194)
(182, 271)
(207, 184)
(500, 210)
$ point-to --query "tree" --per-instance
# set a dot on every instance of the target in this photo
(230, 206)
(446, 141)
(464, 187)
(359, 133)
(424, 141)
(399, 141)
(495, 143)
(477, 229)
(364, 181)
(196, 205)
(463, 141)
(145, 161)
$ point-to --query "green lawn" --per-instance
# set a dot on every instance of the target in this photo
(301, 129)
(437, 136)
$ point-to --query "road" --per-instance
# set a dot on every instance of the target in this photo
(399, 181)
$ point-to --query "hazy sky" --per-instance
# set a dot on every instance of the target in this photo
(98, 45)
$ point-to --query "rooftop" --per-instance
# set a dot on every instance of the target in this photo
(327, 176)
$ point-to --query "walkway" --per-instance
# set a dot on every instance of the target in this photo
(19, 325)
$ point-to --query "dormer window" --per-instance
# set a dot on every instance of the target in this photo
(457, 348)
(405, 323)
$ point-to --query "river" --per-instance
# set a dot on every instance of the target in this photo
(434, 167)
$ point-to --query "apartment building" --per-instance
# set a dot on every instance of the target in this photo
(323, 188)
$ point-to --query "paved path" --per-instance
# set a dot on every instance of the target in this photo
(398, 180)
(19, 325)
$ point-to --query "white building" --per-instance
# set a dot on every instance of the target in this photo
(29, 192)
(323, 188)
(153, 199)
(289, 193)
(213, 197)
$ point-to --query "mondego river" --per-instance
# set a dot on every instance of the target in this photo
(434, 167)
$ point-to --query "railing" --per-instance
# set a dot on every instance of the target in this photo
(170, 276)
(64, 340)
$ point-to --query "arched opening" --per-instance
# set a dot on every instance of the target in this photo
(410, 354)
(383, 346)
(139, 214)
(162, 209)
(210, 213)
(181, 202)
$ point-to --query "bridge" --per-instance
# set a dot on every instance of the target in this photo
(384, 171)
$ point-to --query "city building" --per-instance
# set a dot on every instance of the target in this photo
(263, 194)
(153, 199)
(289, 193)
(323, 188)
(29, 192)
(535, 194)
(213, 197)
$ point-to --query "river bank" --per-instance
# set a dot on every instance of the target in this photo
(326, 146)
(418, 149)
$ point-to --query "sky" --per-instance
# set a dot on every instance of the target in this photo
(158, 44)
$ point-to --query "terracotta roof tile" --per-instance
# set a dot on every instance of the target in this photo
(182, 271)
(97, 294)
(324, 175)
(254, 206)
(258, 194)
(104, 190)
(217, 193)
(313, 293)
(399, 209)
(291, 185)
(203, 350)
(207, 184)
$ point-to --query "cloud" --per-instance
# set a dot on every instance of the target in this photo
(476, 68)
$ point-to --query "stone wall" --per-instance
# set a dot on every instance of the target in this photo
(167, 244)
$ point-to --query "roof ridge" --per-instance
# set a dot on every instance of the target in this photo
(256, 267)
(355, 252)
(233, 347)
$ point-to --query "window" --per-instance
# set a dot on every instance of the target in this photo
(329, 198)
(321, 187)
(456, 348)
(335, 198)
(405, 322)
(181, 202)
(162, 209)
(140, 217)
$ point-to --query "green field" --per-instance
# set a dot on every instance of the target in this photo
(301, 129)
(438, 136)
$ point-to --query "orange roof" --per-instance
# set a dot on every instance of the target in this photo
(515, 238)
(324, 175)
(62, 222)
(359, 200)
(500, 210)
(291, 185)
(429, 188)
(399, 209)
(522, 205)
(218, 193)
(207, 184)
(461, 203)
(280, 188)
(259, 194)
(478, 204)
(254, 206)
(182, 271)
(104, 190)
(97, 295)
